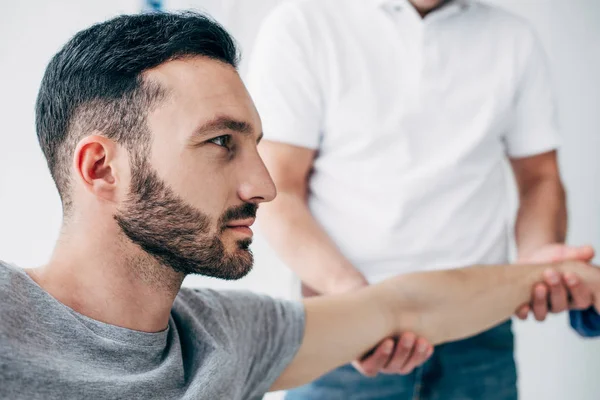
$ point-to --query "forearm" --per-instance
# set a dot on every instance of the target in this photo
(338, 329)
(542, 216)
(305, 247)
(454, 304)
(440, 306)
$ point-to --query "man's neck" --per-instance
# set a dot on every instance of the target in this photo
(110, 280)
(424, 11)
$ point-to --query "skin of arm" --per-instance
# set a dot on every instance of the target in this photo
(540, 231)
(542, 216)
(440, 306)
(308, 250)
(291, 228)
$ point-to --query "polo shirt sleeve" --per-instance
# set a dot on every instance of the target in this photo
(534, 129)
(282, 79)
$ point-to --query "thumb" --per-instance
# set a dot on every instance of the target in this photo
(572, 253)
(582, 253)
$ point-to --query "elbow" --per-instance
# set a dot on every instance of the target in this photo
(547, 185)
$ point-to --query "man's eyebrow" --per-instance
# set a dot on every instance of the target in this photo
(224, 124)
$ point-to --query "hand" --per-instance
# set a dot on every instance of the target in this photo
(392, 355)
(587, 273)
(395, 356)
(554, 294)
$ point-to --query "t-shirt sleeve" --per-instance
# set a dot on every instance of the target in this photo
(282, 79)
(534, 129)
(267, 333)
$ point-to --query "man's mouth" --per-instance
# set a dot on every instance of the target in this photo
(241, 226)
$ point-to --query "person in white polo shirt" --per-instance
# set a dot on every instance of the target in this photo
(389, 128)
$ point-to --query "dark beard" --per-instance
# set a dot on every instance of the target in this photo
(176, 234)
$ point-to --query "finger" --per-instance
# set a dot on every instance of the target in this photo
(357, 366)
(581, 295)
(402, 353)
(371, 365)
(540, 302)
(558, 292)
(423, 351)
(580, 253)
(583, 253)
(523, 312)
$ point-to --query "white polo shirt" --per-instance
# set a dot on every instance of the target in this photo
(412, 119)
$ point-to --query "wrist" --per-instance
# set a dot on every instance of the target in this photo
(546, 251)
(433, 304)
(401, 306)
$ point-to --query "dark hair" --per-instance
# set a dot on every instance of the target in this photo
(95, 81)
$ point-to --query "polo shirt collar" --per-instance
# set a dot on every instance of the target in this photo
(451, 5)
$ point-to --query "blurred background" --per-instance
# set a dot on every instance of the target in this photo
(554, 364)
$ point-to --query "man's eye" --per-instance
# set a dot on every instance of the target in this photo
(223, 141)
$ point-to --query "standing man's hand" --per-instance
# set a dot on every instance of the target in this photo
(400, 355)
(395, 356)
(558, 293)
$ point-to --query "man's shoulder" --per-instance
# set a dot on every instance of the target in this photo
(312, 5)
(231, 307)
(204, 304)
(11, 278)
(498, 17)
(6, 269)
(296, 14)
(215, 301)
(207, 299)
(220, 317)
(16, 299)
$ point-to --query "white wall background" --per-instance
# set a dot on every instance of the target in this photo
(554, 364)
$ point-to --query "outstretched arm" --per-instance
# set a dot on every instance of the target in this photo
(441, 306)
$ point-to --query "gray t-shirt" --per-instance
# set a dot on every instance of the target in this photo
(218, 345)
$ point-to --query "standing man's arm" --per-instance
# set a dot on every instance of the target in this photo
(307, 249)
(442, 306)
(542, 216)
(291, 228)
(541, 230)
(284, 81)
(531, 142)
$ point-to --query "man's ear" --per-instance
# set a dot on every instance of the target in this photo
(95, 164)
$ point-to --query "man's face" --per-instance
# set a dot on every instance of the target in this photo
(194, 197)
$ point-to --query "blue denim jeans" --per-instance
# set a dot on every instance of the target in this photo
(478, 368)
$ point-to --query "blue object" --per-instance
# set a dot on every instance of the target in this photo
(152, 6)
(586, 322)
(481, 367)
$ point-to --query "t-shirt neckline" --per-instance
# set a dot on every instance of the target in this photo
(107, 331)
